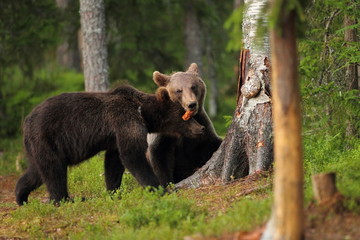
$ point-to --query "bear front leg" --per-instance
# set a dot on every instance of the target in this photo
(162, 157)
(113, 170)
(28, 182)
(132, 148)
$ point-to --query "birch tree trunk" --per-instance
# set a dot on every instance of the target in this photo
(92, 13)
(287, 217)
(247, 146)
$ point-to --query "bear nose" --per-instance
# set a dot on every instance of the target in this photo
(192, 105)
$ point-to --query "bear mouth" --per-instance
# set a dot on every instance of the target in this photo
(191, 109)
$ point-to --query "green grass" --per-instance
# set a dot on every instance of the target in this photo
(135, 213)
(10, 152)
(131, 213)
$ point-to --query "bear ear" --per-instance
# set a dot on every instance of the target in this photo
(162, 94)
(161, 79)
(193, 68)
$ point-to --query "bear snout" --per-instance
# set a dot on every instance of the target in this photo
(192, 106)
(199, 130)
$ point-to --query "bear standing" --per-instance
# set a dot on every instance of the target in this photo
(69, 128)
(174, 158)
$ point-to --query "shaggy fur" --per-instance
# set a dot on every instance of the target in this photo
(72, 127)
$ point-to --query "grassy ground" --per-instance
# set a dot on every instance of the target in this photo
(134, 213)
(216, 211)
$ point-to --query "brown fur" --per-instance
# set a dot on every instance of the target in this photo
(174, 158)
(69, 128)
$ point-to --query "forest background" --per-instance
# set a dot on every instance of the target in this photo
(39, 58)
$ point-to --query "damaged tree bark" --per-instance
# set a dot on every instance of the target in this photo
(247, 147)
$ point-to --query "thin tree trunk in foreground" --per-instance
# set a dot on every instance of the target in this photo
(92, 13)
(247, 146)
(287, 217)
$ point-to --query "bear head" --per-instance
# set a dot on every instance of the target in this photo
(172, 122)
(186, 88)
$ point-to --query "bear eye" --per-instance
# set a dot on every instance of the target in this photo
(193, 87)
(179, 91)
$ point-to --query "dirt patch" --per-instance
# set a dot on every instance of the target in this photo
(7, 184)
(217, 198)
(324, 222)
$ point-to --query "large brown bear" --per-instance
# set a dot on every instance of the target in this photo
(69, 128)
(174, 158)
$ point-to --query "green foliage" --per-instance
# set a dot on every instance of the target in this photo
(20, 94)
(28, 30)
(281, 8)
(10, 153)
(324, 153)
(149, 33)
(234, 27)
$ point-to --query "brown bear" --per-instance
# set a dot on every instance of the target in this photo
(174, 158)
(69, 128)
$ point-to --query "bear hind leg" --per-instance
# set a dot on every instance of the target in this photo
(28, 182)
(53, 172)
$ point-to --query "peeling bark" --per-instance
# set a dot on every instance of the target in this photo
(94, 50)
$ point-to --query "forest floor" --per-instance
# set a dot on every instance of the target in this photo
(321, 222)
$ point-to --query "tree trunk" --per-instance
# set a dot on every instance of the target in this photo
(67, 53)
(247, 146)
(287, 217)
(92, 13)
(324, 187)
(351, 75)
(192, 36)
(211, 76)
(238, 3)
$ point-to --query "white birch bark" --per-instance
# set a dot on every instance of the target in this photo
(254, 88)
(253, 13)
(92, 13)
